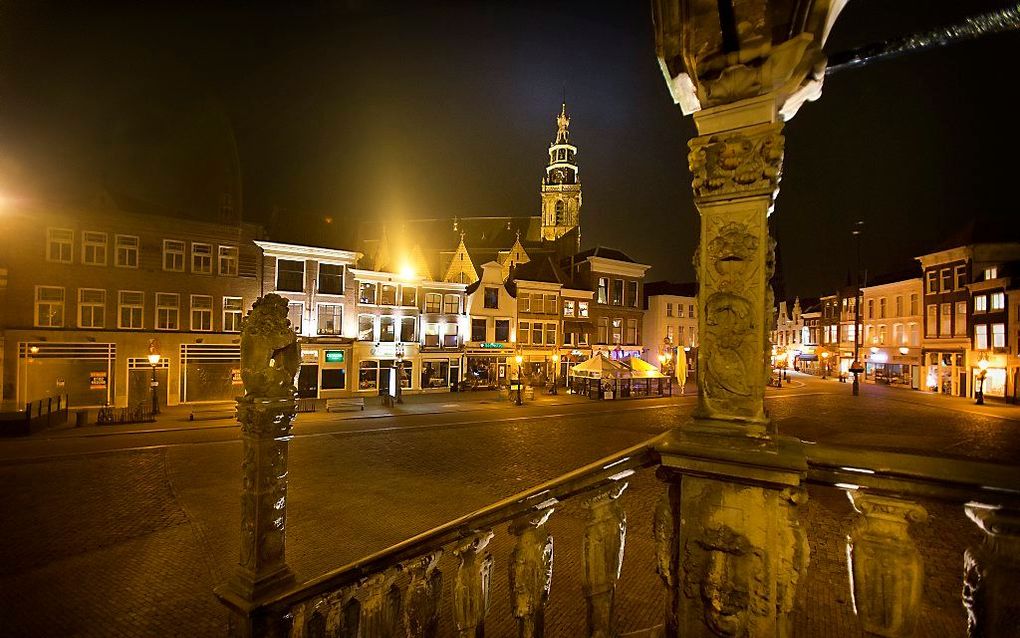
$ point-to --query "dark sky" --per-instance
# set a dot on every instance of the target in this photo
(359, 109)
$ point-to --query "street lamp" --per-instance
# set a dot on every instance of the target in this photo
(825, 365)
(980, 393)
(856, 367)
(398, 355)
(520, 376)
(556, 365)
(154, 384)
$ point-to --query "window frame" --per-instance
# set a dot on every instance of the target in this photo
(121, 306)
(373, 332)
(477, 322)
(67, 242)
(128, 248)
(192, 309)
(234, 313)
(172, 252)
(340, 277)
(197, 256)
(61, 305)
(494, 292)
(176, 308)
(433, 303)
(95, 244)
(82, 304)
(338, 318)
(368, 285)
(231, 255)
(298, 277)
(447, 305)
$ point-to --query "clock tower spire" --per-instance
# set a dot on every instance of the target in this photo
(561, 186)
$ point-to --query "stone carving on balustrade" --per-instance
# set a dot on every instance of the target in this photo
(381, 606)
(605, 536)
(333, 614)
(887, 572)
(471, 586)
(421, 598)
(665, 532)
(741, 163)
(992, 572)
(269, 364)
(794, 556)
(531, 563)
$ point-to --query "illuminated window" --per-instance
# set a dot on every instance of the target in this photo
(433, 302)
(367, 292)
(998, 301)
(201, 313)
(582, 309)
(130, 305)
(568, 307)
(49, 306)
(59, 244)
(524, 302)
(91, 308)
(432, 335)
(931, 324)
(126, 251)
(201, 258)
(173, 255)
(452, 304)
(603, 290)
(167, 311)
(93, 248)
(450, 335)
(232, 309)
(330, 319)
(946, 320)
(228, 260)
(980, 303)
(617, 334)
(998, 335)
(980, 337)
(991, 273)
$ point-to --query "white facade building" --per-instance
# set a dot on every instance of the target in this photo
(670, 322)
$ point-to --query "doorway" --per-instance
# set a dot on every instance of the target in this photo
(308, 382)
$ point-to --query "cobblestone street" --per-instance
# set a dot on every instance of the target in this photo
(128, 534)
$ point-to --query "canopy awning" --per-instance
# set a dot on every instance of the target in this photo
(642, 369)
(597, 367)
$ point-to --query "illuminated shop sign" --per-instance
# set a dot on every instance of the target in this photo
(492, 346)
(334, 356)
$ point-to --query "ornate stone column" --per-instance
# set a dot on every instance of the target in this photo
(421, 599)
(992, 573)
(886, 570)
(743, 69)
(269, 364)
(471, 586)
(531, 563)
(605, 536)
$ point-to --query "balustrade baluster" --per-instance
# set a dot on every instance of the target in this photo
(471, 587)
(421, 600)
(992, 573)
(531, 572)
(886, 569)
(667, 555)
(605, 537)
(380, 611)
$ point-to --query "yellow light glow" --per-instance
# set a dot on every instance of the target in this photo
(519, 359)
(983, 364)
(153, 359)
(407, 272)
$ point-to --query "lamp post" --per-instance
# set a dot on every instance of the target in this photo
(856, 367)
(398, 355)
(556, 366)
(979, 395)
(154, 384)
(520, 376)
(825, 365)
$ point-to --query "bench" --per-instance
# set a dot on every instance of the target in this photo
(339, 404)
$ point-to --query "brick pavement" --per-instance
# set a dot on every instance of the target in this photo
(132, 542)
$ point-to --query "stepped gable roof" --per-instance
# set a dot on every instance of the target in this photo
(605, 253)
(687, 289)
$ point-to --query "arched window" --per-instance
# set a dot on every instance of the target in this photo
(559, 212)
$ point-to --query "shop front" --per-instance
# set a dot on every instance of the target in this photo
(946, 373)
(377, 365)
(324, 370)
(440, 373)
(82, 371)
(996, 383)
(486, 366)
(210, 372)
(892, 367)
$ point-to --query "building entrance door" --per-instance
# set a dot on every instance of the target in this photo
(308, 382)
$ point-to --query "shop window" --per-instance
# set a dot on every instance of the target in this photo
(201, 258)
(334, 379)
(331, 279)
(998, 300)
(290, 275)
(435, 374)
(502, 330)
(330, 319)
(130, 305)
(452, 304)
(126, 251)
(173, 255)
(168, 311)
(367, 292)
(387, 295)
(582, 309)
(232, 310)
(409, 296)
(93, 248)
(387, 329)
(998, 335)
(432, 335)
(228, 261)
(491, 297)
(407, 329)
(368, 375)
(59, 244)
(366, 327)
(478, 329)
(296, 315)
(201, 313)
(91, 308)
(433, 302)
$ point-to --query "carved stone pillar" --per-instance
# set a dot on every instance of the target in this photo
(471, 587)
(531, 563)
(380, 609)
(605, 536)
(421, 600)
(886, 570)
(992, 573)
(265, 432)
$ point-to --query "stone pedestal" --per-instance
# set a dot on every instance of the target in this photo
(265, 432)
(992, 573)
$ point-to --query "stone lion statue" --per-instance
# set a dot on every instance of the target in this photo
(269, 351)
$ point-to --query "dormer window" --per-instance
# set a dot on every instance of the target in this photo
(991, 273)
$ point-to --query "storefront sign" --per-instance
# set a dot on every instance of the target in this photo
(97, 380)
(334, 356)
(235, 376)
(492, 346)
(309, 356)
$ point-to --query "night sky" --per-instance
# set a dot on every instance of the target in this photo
(356, 110)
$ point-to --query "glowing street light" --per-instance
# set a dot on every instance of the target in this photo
(520, 376)
(154, 358)
(556, 365)
(980, 393)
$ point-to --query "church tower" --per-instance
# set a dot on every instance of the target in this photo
(561, 186)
